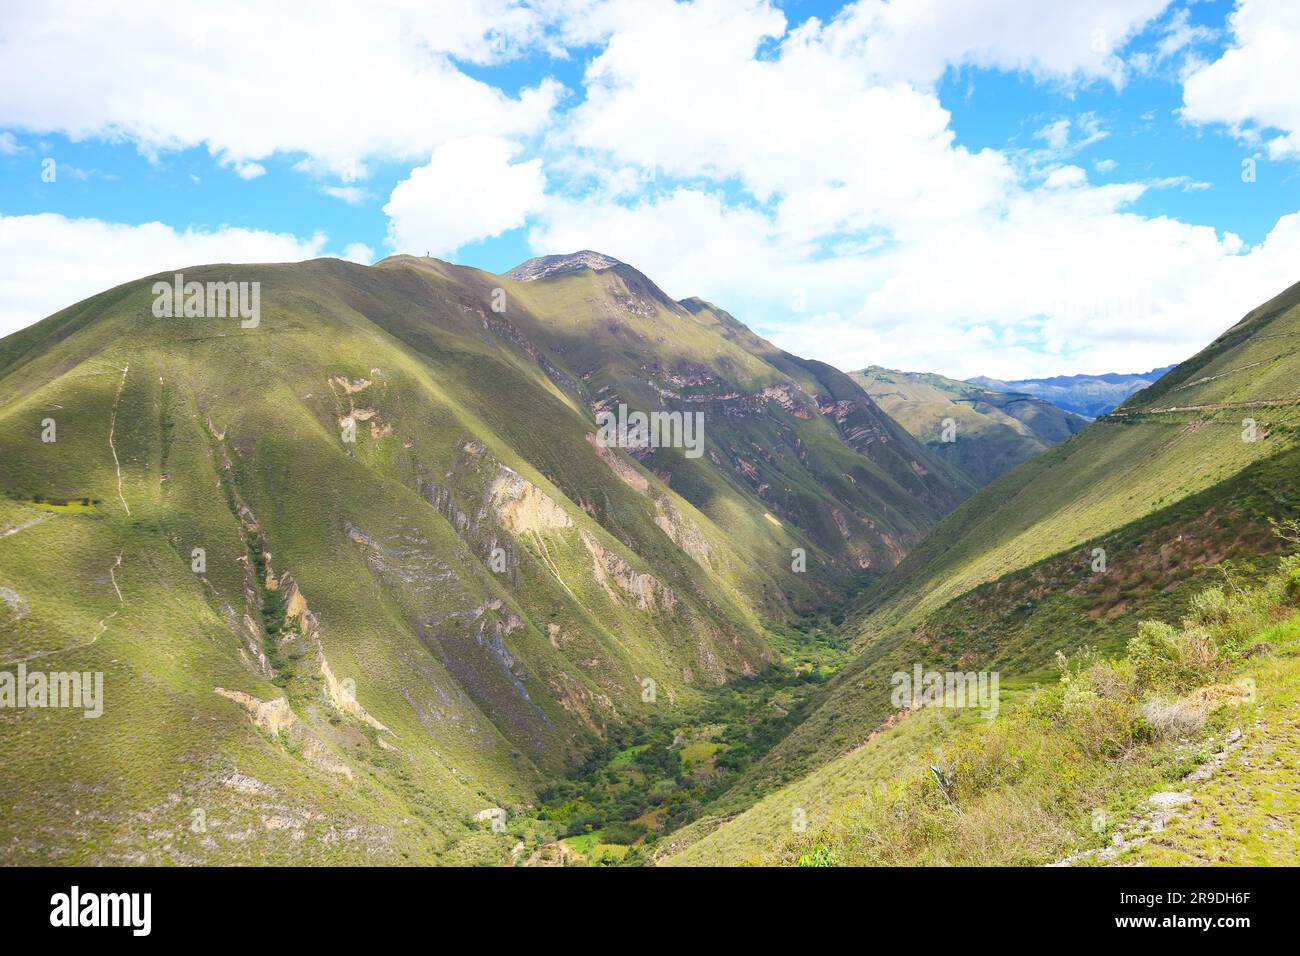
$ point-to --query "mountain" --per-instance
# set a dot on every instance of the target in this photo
(1088, 395)
(982, 433)
(1160, 511)
(363, 576)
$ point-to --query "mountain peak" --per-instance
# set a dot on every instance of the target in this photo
(542, 267)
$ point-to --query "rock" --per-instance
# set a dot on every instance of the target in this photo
(544, 267)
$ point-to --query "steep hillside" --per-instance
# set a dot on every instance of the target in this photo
(1089, 395)
(980, 432)
(362, 571)
(1175, 754)
(1127, 520)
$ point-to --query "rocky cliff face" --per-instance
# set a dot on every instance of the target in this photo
(542, 267)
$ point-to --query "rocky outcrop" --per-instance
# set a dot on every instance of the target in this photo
(523, 507)
(277, 719)
(623, 469)
(344, 699)
(681, 530)
(621, 582)
(544, 267)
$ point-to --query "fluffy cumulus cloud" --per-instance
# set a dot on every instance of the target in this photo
(918, 40)
(469, 190)
(48, 262)
(248, 79)
(1252, 87)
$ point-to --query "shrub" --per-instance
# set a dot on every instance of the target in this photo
(1210, 607)
(1114, 680)
(585, 823)
(1166, 659)
(1098, 726)
(819, 855)
(1290, 572)
(623, 832)
(1169, 719)
(981, 759)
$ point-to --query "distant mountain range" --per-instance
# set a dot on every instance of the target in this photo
(989, 431)
(1090, 395)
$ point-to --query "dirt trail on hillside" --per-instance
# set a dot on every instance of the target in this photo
(112, 425)
(1211, 407)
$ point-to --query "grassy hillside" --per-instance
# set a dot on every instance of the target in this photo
(980, 432)
(360, 573)
(1171, 754)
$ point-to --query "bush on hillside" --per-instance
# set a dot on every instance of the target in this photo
(1210, 607)
(1168, 660)
(622, 831)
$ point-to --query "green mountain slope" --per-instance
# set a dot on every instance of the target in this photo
(1127, 520)
(362, 573)
(1175, 754)
(982, 433)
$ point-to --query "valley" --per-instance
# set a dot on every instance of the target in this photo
(397, 575)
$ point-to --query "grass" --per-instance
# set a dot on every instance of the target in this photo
(1245, 815)
(1029, 787)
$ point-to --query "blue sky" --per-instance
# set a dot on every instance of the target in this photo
(1032, 189)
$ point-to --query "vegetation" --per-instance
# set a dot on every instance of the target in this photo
(1070, 764)
(470, 615)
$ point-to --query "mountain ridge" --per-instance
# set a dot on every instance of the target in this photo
(982, 432)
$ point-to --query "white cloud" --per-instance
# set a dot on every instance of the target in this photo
(715, 149)
(352, 195)
(918, 40)
(469, 190)
(1252, 87)
(9, 145)
(808, 128)
(1180, 33)
(248, 79)
(48, 262)
(1040, 299)
(359, 252)
(1064, 176)
(1056, 134)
